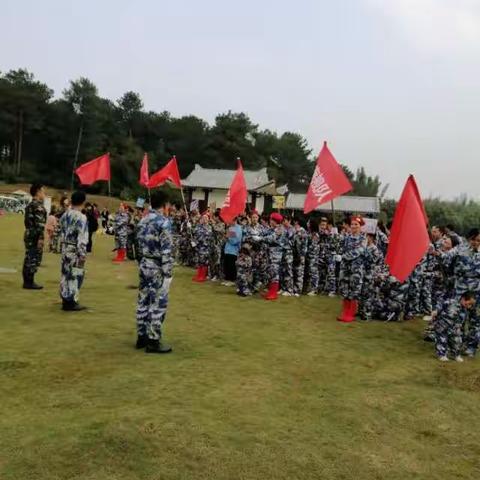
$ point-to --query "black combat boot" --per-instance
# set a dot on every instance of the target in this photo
(72, 306)
(29, 283)
(155, 346)
(142, 341)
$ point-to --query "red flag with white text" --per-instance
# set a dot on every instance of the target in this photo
(236, 198)
(96, 169)
(328, 181)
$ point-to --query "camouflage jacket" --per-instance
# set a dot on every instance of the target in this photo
(35, 219)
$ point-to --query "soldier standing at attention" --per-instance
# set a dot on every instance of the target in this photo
(35, 218)
(155, 270)
(74, 240)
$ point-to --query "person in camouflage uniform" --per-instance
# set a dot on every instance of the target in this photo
(286, 266)
(35, 219)
(218, 243)
(253, 236)
(64, 206)
(74, 240)
(274, 237)
(244, 271)
(373, 263)
(121, 233)
(449, 326)
(465, 262)
(202, 237)
(352, 270)
(442, 283)
(390, 302)
(155, 272)
(300, 245)
(312, 260)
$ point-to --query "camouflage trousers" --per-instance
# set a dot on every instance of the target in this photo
(152, 299)
(275, 261)
(298, 275)
(121, 238)
(472, 337)
(215, 262)
(131, 253)
(33, 259)
(286, 273)
(425, 305)
(260, 269)
(412, 305)
(368, 297)
(331, 280)
(72, 276)
(313, 276)
(448, 338)
(350, 282)
(244, 279)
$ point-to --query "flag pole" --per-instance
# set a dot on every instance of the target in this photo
(333, 213)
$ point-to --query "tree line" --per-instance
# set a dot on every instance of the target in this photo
(42, 137)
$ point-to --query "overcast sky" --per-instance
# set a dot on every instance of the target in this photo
(393, 85)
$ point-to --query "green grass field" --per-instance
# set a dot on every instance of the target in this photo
(253, 390)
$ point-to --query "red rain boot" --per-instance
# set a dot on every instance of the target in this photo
(198, 275)
(120, 255)
(272, 293)
(203, 274)
(346, 311)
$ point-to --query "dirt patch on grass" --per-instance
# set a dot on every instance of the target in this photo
(469, 382)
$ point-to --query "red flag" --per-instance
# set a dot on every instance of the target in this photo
(409, 240)
(96, 169)
(328, 181)
(236, 198)
(168, 172)
(144, 178)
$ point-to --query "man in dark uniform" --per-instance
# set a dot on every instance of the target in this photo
(35, 218)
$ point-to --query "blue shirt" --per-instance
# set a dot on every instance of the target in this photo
(234, 240)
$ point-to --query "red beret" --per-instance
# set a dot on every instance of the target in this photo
(358, 219)
(276, 217)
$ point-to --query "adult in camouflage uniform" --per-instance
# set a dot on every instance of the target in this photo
(333, 250)
(155, 271)
(465, 262)
(373, 264)
(352, 270)
(202, 238)
(300, 245)
(449, 326)
(121, 221)
(35, 219)
(313, 252)
(74, 240)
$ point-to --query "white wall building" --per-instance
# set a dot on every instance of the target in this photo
(210, 186)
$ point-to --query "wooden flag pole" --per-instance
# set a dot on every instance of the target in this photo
(333, 213)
